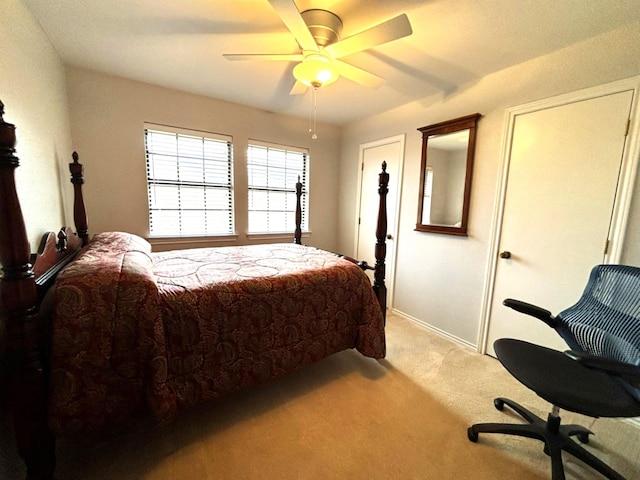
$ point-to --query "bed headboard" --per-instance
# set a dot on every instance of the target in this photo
(18, 295)
(23, 286)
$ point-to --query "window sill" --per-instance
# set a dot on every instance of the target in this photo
(181, 241)
(275, 236)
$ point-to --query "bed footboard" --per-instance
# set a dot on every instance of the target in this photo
(379, 286)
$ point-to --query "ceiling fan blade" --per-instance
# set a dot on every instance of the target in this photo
(298, 88)
(290, 15)
(358, 75)
(384, 32)
(278, 57)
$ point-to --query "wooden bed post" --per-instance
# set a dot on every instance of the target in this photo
(79, 211)
(27, 378)
(297, 238)
(379, 286)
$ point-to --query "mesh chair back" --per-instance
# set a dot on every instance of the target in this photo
(606, 320)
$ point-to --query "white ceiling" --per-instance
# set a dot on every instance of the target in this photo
(179, 44)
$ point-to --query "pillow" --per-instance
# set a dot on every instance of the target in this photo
(119, 242)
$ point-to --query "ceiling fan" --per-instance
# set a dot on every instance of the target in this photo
(318, 35)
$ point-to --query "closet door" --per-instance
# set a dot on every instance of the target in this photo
(563, 171)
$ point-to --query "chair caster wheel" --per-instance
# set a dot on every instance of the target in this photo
(583, 437)
(499, 404)
(472, 434)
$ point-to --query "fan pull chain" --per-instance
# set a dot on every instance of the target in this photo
(310, 112)
(314, 99)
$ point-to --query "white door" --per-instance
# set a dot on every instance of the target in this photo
(372, 154)
(563, 171)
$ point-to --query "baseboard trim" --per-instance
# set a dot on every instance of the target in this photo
(436, 330)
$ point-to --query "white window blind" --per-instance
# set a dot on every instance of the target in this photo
(190, 182)
(273, 172)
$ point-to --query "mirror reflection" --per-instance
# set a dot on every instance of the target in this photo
(445, 184)
(444, 179)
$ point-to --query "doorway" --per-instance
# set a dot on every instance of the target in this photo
(565, 164)
(372, 154)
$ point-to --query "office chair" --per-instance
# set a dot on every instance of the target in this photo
(598, 377)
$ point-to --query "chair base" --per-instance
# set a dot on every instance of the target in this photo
(556, 438)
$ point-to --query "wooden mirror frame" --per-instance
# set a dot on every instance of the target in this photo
(470, 123)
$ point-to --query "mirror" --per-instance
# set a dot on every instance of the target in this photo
(445, 175)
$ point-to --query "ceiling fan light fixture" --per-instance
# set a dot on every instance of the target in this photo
(316, 71)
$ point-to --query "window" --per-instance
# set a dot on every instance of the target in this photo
(273, 172)
(426, 201)
(190, 182)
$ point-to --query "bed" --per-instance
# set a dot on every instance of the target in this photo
(102, 330)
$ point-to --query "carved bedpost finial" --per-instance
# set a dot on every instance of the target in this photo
(79, 211)
(384, 166)
(62, 243)
(76, 169)
(7, 141)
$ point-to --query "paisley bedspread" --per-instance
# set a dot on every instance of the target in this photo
(136, 331)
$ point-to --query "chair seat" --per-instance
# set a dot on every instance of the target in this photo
(564, 382)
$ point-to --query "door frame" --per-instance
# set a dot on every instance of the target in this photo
(396, 196)
(622, 202)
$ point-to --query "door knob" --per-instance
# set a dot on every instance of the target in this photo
(505, 254)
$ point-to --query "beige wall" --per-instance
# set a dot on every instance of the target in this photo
(440, 279)
(33, 89)
(107, 118)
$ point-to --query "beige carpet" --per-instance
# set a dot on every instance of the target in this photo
(351, 417)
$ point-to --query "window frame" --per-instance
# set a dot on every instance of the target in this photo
(428, 191)
(304, 179)
(227, 186)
